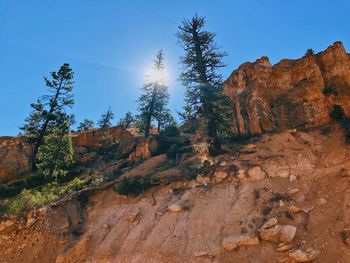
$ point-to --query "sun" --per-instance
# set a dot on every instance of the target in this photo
(157, 76)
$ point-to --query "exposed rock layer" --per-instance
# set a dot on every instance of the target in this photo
(290, 93)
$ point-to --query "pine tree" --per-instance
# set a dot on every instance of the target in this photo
(49, 110)
(106, 119)
(206, 105)
(85, 125)
(155, 96)
(127, 120)
(55, 155)
(164, 119)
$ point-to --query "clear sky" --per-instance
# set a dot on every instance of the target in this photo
(110, 43)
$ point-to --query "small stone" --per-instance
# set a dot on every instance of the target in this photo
(175, 207)
(292, 178)
(220, 175)
(6, 224)
(322, 201)
(283, 247)
(232, 242)
(202, 253)
(300, 198)
(271, 234)
(134, 216)
(301, 256)
(256, 174)
(105, 226)
(224, 163)
(287, 233)
(345, 172)
(293, 191)
(294, 209)
(31, 221)
(202, 179)
(270, 223)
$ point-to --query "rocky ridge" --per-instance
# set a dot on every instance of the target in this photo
(289, 94)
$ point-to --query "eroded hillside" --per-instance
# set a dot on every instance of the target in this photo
(291, 179)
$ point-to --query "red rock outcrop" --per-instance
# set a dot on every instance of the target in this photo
(15, 153)
(14, 158)
(94, 137)
(290, 93)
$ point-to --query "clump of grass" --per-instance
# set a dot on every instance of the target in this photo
(256, 193)
(132, 186)
(266, 210)
(276, 197)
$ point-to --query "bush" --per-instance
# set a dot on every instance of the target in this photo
(171, 131)
(175, 150)
(337, 113)
(132, 186)
(330, 91)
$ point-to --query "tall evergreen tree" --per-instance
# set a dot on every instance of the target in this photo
(106, 119)
(206, 103)
(85, 125)
(127, 120)
(49, 110)
(155, 96)
(55, 155)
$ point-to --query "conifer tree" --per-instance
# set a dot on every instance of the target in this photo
(48, 112)
(206, 105)
(85, 125)
(155, 96)
(55, 155)
(106, 119)
(127, 120)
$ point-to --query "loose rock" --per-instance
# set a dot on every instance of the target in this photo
(301, 256)
(232, 242)
(256, 174)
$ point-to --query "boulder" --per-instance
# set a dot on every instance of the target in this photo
(231, 242)
(256, 174)
(297, 256)
(273, 232)
(176, 207)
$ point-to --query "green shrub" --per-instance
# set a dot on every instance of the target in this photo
(171, 131)
(337, 113)
(174, 150)
(132, 186)
(330, 91)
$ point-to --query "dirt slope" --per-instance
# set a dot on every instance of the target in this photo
(307, 170)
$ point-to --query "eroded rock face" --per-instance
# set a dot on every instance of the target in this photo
(95, 137)
(14, 158)
(15, 153)
(289, 94)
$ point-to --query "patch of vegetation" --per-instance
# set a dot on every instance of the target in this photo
(256, 193)
(175, 151)
(167, 164)
(326, 130)
(309, 52)
(29, 199)
(171, 131)
(276, 197)
(337, 113)
(327, 91)
(345, 124)
(266, 210)
(132, 186)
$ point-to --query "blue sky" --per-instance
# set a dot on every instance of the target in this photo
(110, 43)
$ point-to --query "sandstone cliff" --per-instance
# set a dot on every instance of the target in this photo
(289, 94)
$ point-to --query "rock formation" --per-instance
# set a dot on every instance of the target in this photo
(289, 94)
(14, 158)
